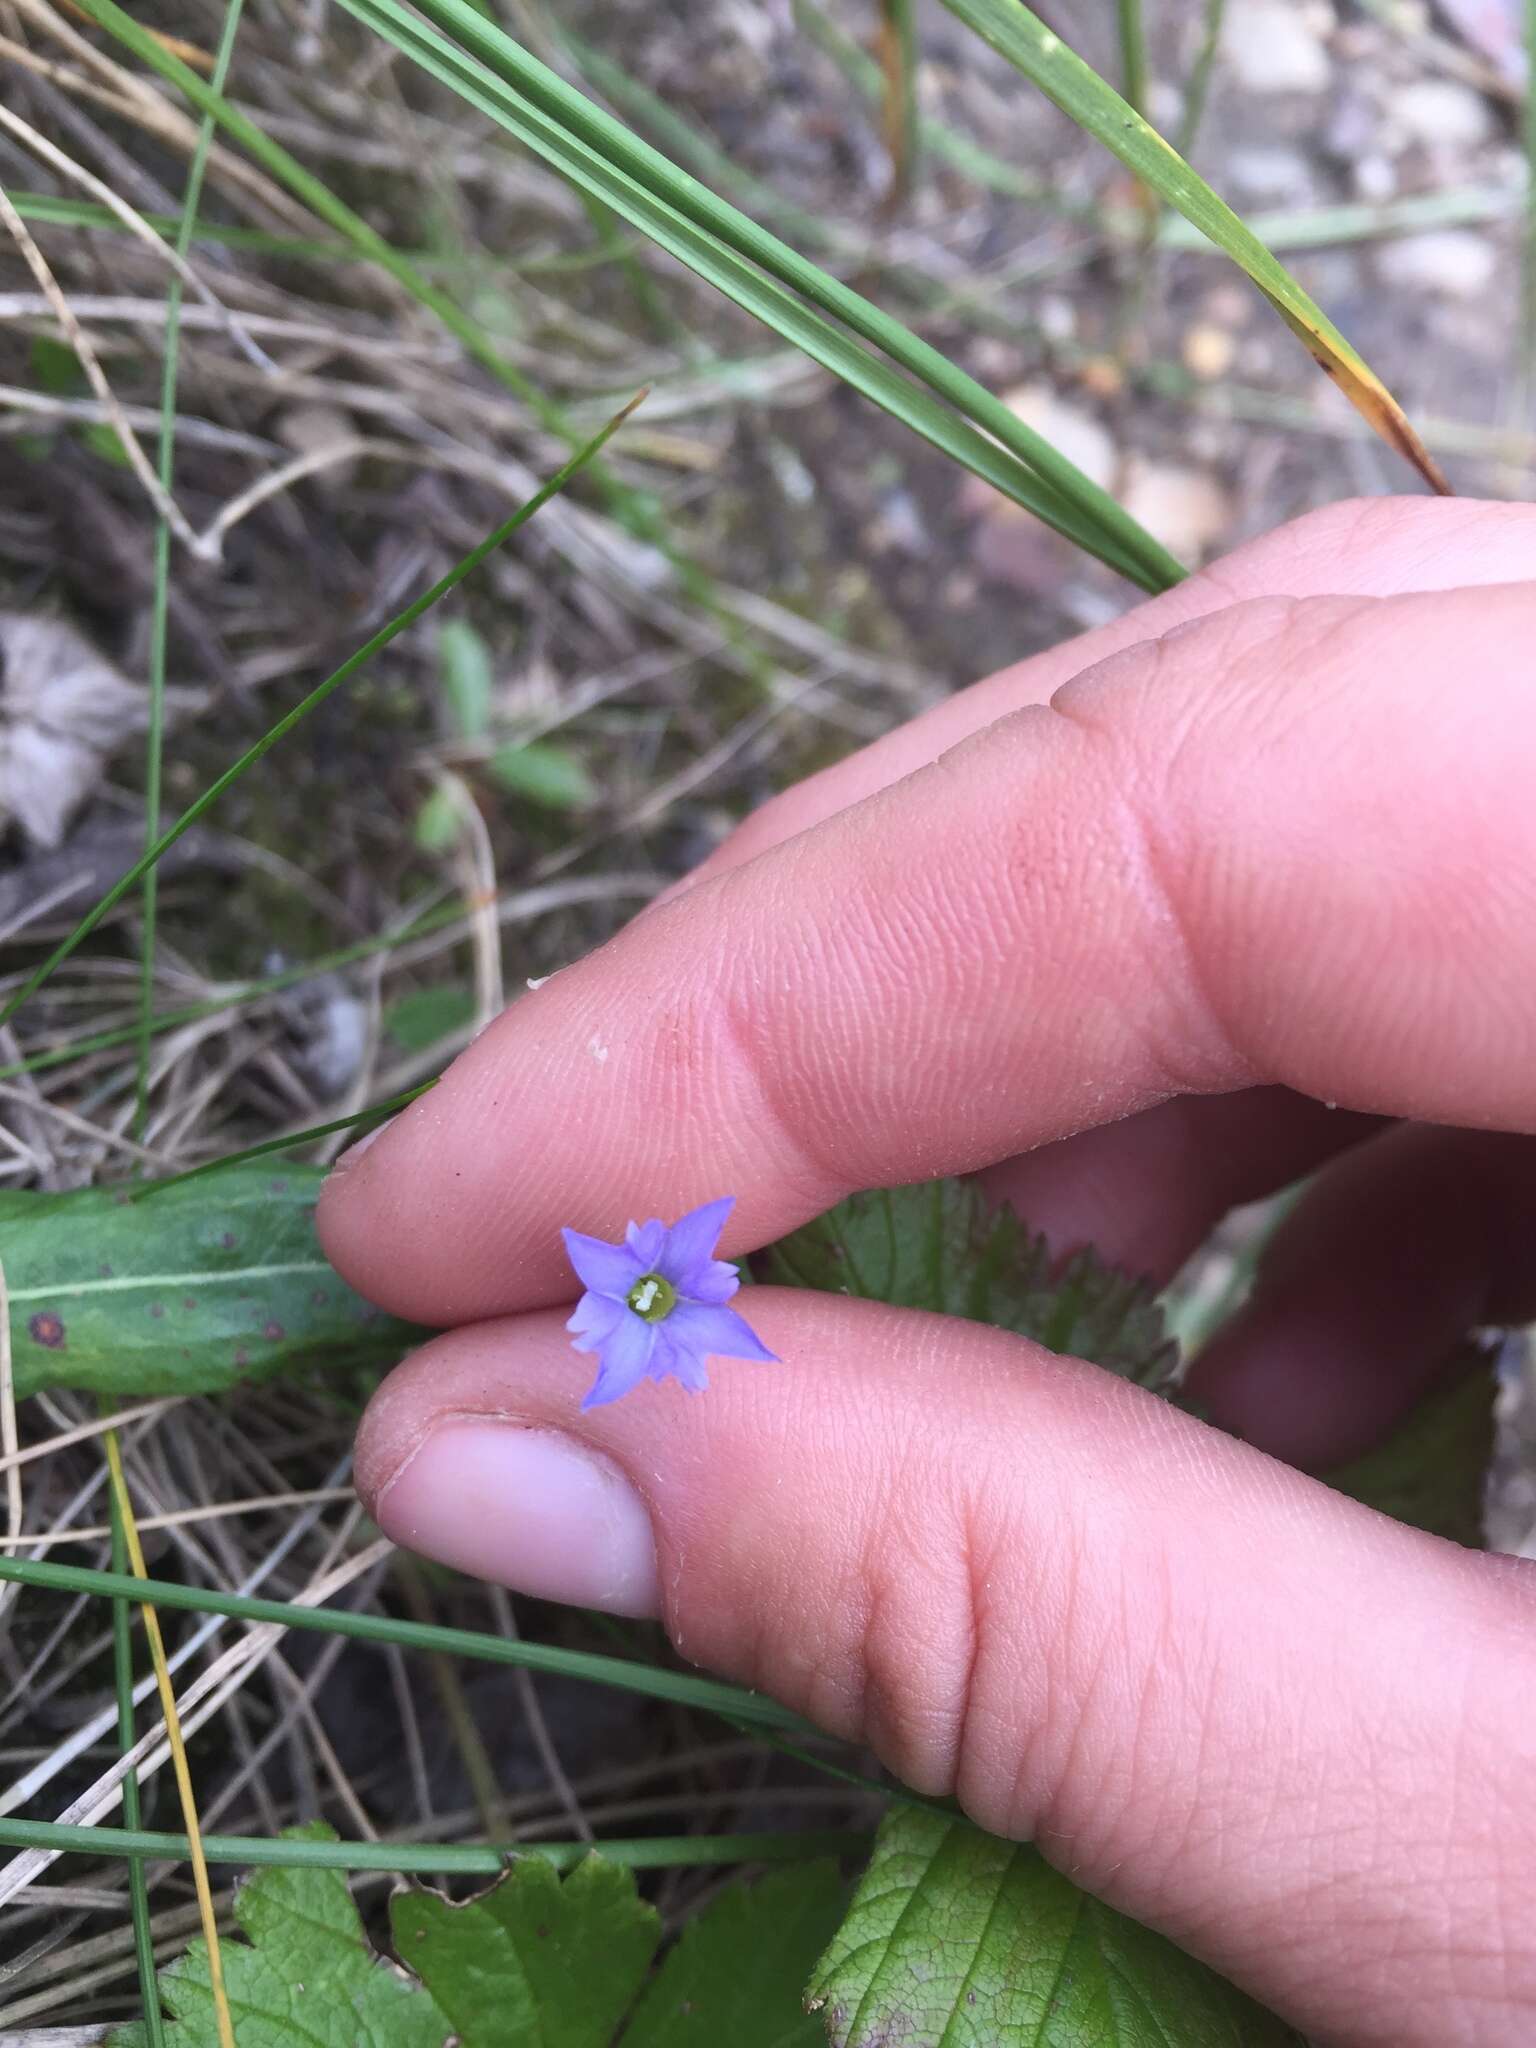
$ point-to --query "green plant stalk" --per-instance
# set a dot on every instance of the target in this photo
(453, 1859)
(376, 1113)
(994, 173)
(711, 1695)
(316, 697)
(138, 1886)
(899, 26)
(1197, 92)
(159, 616)
(1133, 53)
(732, 252)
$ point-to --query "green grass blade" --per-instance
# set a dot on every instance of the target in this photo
(138, 1888)
(360, 1119)
(731, 252)
(1018, 34)
(1041, 478)
(453, 1859)
(898, 60)
(1133, 53)
(316, 697)
(160, 600)
(680, 1687)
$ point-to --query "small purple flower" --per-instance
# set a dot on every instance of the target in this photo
(655, 1304)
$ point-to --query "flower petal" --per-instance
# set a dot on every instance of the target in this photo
(713, 1283)
(690, 1246)
(678, 1360)
(713, 1333)
(603, 1268)
(624, 1360)
(646, 1240)
(594, 1318)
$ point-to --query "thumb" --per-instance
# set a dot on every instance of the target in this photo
(1237, 1706)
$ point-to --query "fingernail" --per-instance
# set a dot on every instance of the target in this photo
(355, 1152)
(526, 1508)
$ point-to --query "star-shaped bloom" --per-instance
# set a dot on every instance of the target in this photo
(656, 1304)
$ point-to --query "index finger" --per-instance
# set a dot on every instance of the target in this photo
(1290, 843)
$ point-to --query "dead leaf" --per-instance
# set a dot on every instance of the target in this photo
(64, 708)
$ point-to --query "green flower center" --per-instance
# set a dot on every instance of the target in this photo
(652, 1297)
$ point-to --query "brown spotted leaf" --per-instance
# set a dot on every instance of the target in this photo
(187, 1292)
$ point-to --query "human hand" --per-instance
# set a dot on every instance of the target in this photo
(1270, 846)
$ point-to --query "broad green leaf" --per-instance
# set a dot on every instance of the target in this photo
(1433, 1471)
(464, 662)
(305, 1978)
(1018, 34)
(425, 1015)
(942, 1246)
(734, 1979)
(205, 1285)
(551, 776)
(532, 1961)
(956, 1939)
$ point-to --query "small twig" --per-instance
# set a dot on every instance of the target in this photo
(136, 225)
(180, 1765)
(80, 342)
(86, 1430)
(211, 1511)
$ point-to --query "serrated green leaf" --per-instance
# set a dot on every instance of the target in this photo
(419, 1019)
(532, 1960)
(957, 1938)
(464, 663)
(211, 1283)
(1432, 1472)
(544, 774)
(307, 1975)
(735, 1976)
(943, 1247)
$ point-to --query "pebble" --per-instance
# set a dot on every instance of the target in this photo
(1208, 352)
(1273, 46)
(1075, 433)
(1186, 509)
(1454, 263)
(1438, 113)
(1271, 176)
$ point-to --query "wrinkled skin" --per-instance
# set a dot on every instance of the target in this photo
(1239, 887)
